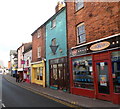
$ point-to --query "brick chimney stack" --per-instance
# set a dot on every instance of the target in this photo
(59, 6)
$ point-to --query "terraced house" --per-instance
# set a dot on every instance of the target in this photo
(93, 34)
(56, 50)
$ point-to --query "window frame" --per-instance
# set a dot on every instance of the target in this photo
(39, 51)
(78, 4)
(39, 33)
(82, 34)
(53, 23)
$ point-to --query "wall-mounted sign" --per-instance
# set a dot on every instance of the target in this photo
(100, 46)
(22, 61)
(74, 52)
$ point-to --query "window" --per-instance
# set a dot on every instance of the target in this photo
(38, 33)
(39, 75)
(54, 42)
(116, 71)
(83, 72)
(39, 52)
(53, 23)
(81, 36)
(27, 62)
(79, 4)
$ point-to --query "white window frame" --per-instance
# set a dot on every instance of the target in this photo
(53, 23)
(79, 4)
(81, 37)
(39, 33)
(39, 52)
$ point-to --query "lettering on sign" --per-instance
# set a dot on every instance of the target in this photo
(100, 46)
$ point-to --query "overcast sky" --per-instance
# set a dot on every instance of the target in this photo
(18, 19)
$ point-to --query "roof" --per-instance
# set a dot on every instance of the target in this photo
(28, 47)
(49, 19)
(13, 52)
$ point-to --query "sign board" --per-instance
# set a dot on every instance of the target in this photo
(100, 46)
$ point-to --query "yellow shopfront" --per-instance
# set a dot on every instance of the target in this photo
(38, 73)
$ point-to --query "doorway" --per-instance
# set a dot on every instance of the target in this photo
(102, 72)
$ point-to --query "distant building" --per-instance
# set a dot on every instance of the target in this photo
(13, 62)
(27, 57)
(21, 61)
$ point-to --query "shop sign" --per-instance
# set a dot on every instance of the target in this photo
(74, 52)
(103, 80)
(22, 61)
(100, 46)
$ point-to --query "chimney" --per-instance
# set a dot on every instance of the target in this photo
(59, 6)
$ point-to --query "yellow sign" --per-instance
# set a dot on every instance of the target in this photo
(100, 46)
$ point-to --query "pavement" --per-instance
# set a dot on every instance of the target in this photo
(61, 96)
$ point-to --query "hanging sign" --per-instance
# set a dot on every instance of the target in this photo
(100, 46)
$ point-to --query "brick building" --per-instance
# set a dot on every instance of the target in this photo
(38, 56)
(93, 34)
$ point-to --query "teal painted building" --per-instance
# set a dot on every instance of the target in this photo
(56, 51)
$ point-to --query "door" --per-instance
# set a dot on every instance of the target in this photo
(102, 70)
(60, 76)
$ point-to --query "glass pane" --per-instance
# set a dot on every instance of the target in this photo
(103, 82)
(82, 72)
(116, 71)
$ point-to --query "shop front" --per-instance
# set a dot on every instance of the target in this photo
(20, 72)
(95, 69)
(26, 74)
(59, 74)
(38, 73)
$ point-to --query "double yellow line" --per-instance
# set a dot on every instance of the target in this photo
(72, 104)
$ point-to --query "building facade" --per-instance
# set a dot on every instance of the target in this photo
(38, 56)
(93, 34)
(13, 62)
(21, 62)
(56, 51)
(27, 54)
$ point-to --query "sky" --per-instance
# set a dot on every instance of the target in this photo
(18, 20)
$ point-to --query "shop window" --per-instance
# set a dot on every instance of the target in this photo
(116, 71)
(81, 36)
(79, 4)
(39, 75)
(83, 72)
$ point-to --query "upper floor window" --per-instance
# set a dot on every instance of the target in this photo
(54, 42)
(79, 4)
(39, 52)
(38, 33)
(53, 23)
(81, 36)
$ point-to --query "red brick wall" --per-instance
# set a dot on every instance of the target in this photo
(101, 20)
(36, 42)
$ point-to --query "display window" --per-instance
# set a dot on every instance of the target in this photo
(83, 72)
(116, 70)
(39, 73)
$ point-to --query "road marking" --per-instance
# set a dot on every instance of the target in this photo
(3, 105)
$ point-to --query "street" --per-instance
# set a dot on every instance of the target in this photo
(15, 96)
